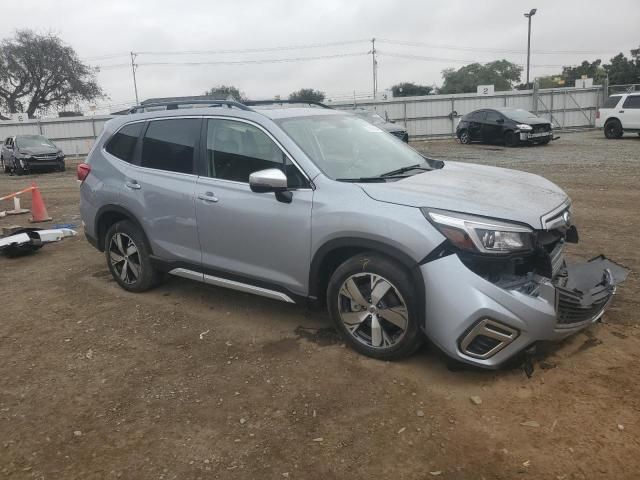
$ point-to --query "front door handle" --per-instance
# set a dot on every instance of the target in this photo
(133, 185)
(208, 197)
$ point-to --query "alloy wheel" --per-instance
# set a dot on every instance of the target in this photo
(464, 138)
(372, 310)
(124, 258)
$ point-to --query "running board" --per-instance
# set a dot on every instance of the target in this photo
(232, 284)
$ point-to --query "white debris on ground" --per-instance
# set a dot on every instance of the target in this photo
(31, 239)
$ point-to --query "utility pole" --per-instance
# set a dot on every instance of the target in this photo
(374, 64)
(531, 13)
(134, 67)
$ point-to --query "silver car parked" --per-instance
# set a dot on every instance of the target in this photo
(310, 204)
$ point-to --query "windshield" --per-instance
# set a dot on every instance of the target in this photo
(518, 114)
(33, 141)
(348, 147)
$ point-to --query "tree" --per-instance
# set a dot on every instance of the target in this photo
(307, 95)
(409, 89)
(622, 71)
(222, 92)
(501, 73)
(593, 70)
(40, 71)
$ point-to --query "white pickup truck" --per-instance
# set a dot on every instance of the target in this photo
(620, 114)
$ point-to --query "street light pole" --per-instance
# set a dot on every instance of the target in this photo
(531, 13)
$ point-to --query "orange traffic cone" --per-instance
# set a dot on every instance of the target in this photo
(38, 210)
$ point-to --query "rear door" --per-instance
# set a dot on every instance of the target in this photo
(630, 112)
(251, 237)
(160, 189)
(475, 124)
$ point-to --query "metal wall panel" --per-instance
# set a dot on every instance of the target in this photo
(434, 115)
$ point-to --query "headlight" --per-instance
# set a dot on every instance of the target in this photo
(478, 234)
(524, 127)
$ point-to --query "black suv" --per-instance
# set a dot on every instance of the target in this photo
(510, 126)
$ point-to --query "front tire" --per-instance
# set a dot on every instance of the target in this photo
(510, 139)
(613, 129)
(464, 137)
(374, 306)
(128, 257)
(18, 168)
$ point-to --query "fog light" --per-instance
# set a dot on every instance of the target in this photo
(487, 338)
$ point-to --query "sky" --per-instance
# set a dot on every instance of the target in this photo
(415, 39)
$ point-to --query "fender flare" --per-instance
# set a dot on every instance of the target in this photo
(321, 254)
(112, 208)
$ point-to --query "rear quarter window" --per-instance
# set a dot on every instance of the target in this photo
(611, 102)
(632, 101)
(123, 143)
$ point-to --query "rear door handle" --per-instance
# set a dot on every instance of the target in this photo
(133, 185)
(621, 111)
(208, 197)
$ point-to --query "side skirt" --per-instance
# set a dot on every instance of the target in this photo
(225, 279)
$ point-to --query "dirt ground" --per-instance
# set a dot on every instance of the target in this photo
(191, 381)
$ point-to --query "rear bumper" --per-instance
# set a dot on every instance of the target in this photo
(460, 305)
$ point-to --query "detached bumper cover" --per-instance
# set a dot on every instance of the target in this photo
(459, 302)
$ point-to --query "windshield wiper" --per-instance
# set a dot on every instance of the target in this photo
(404, 170)
(379, 178)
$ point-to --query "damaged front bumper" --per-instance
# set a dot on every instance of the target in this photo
(483, 323)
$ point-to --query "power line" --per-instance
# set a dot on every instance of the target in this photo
(456, 60)
(254, 62)
(491, 50)
(254, 50)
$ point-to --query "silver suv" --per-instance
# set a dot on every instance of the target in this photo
(311, 204)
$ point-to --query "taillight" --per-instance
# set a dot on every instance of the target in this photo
(597, 114)
(83, 171)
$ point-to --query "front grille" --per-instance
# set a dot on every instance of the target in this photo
(482, 344)
(571, 309)
(46, 156)
(541, 128)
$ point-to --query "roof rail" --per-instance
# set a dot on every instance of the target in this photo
(252, 103)
(176, 105)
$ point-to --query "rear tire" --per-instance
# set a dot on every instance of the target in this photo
(373, 303)
(128, 257)
(613, 129)
(17, 168)
(510, 139)
(464, 137)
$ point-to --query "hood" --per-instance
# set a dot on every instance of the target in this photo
(475, 189)
(536, 121)
(38, 150)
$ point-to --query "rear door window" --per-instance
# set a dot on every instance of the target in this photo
(171, 144)
(611, 102)
(632, 101)
(123, 143)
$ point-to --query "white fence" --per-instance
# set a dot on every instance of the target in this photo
(435, 115)
(432, 115)
(74, 135)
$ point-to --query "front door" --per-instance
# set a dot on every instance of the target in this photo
(251, 237)
(492, 126)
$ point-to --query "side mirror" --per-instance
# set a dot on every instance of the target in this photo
(269, 180)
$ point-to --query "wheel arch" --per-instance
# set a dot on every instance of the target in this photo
(332, 253)
(108, 215)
